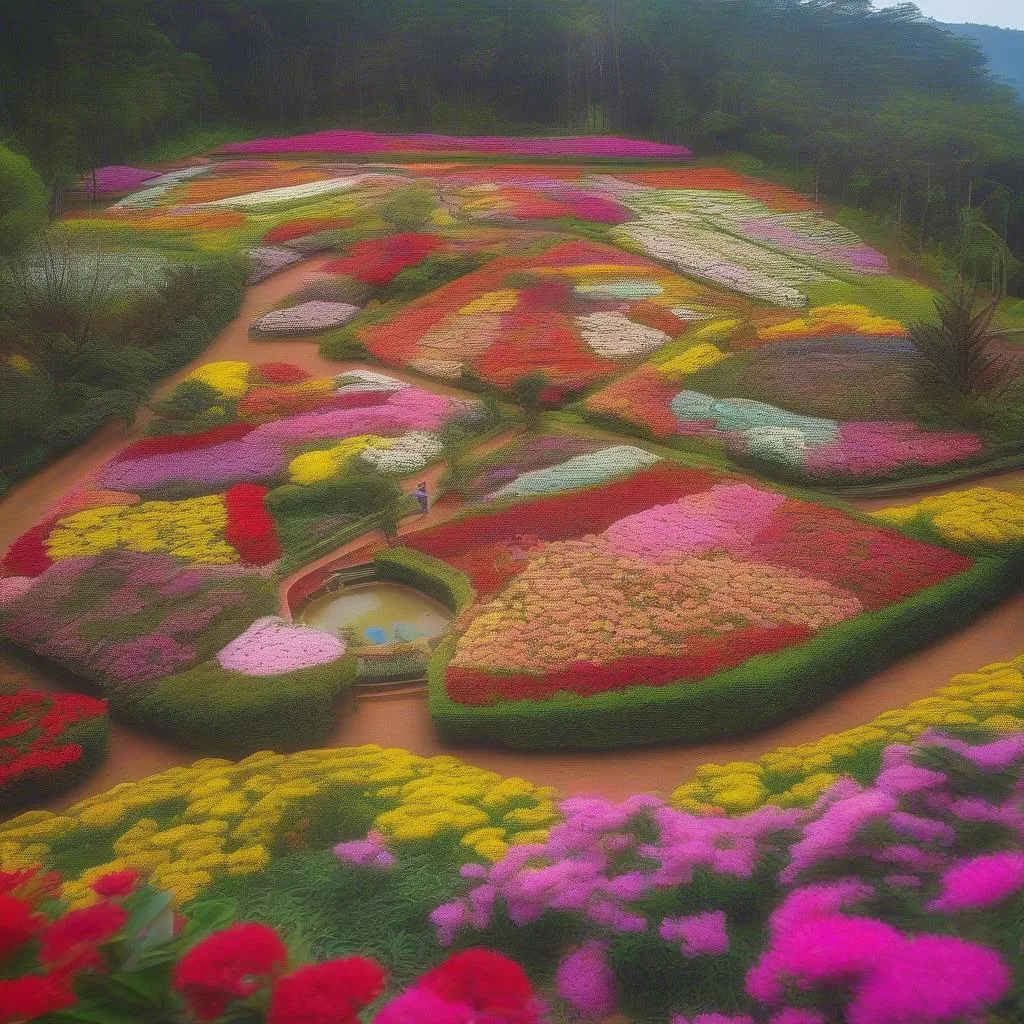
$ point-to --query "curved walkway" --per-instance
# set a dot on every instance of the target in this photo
(400, 720)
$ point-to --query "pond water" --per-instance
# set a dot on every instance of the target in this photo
(378, 612)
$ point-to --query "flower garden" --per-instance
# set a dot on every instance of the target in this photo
(637, 386)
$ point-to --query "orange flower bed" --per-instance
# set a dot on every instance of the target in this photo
(719, 178)
(209, 189)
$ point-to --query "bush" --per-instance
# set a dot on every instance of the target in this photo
(438, 579)
(231, 714)
(762, 691)
(22, 201)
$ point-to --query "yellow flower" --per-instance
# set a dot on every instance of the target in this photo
(699, 357)
(228, 378)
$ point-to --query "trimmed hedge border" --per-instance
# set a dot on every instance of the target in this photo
(450, 586)
(761, 692)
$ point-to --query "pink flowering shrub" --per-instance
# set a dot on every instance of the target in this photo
(779, 916)
(272, 646)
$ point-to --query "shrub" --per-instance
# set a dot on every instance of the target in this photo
(442, 582)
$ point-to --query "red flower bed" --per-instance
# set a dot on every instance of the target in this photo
(305, 226)
(42, 739)
(703, 657)
(262, 404)
(377, 261)
(879, 565)
(643, 398)
(561, 516)
(181, 442)
(28, 556)
(282, 373)
(250, 530)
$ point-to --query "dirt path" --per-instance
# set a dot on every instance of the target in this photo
(401, 720)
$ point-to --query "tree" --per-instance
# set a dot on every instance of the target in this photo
(22, 202)
(955, 355)
(528, 390)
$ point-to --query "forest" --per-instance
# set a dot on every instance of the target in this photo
(880, 110)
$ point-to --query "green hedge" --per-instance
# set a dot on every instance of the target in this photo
(761, 692)
(230, 714)
(450, 586)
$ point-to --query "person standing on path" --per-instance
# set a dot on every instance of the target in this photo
(420, 494)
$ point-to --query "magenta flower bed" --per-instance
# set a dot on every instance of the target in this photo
(340, 140)
(272, 646)
(117, 178)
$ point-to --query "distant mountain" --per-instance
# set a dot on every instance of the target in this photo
(1004, 48)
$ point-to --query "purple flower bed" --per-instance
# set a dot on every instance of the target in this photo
(126, 618)
(339, 140)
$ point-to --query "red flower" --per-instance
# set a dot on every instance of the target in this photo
(228, 965)
(486, 981)
(32, 996)
(250, 530)
(28, 555)
(18, 923)
(71, 941)
(332, 992)
(168, 443)
(116, 883)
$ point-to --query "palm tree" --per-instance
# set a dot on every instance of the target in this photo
(955, 352)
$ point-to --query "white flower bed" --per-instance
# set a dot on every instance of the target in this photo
(267, 260)
(409, 453)
(614, 336)
(305, 318)
(156, 188)
(579, 471)
(367, 380)
(294, 193)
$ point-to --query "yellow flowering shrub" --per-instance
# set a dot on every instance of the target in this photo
(693, 359)
(228, 377)
(837, 318)
(501, 301)
(192, 529)
(992, 697)
(188, 827)
(976, 516)
(312, 467)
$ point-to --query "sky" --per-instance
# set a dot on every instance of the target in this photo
(1004, 13)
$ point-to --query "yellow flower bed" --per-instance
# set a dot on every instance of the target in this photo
(979, 515)
(192, 529)
(693, 359)
(312, 467)
(836, 318)
(228, 377)
(233, 816)
(503, 300)
(795, 776)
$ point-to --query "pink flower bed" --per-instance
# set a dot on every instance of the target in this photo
(117, 178)
(272, 646)
(339, 140)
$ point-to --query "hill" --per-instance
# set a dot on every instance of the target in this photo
(1004, 48)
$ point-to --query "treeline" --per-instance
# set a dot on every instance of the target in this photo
(877, 109)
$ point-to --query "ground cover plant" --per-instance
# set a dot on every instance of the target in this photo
(155, 577)
(664, 602)
(47, 741)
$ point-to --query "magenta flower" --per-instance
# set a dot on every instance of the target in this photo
(586, 981)
(366, 853)
(929, 979)
(700, 934)
(980, 882)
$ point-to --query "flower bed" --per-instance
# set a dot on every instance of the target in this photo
(686, 605)
(47, 741)
(190, 826)
(979, 518)
(304, 318)
(576, 313)
(992, 698)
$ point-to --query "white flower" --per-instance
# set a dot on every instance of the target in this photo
(367, 380)
(614, 336)
(305, 318)
(267, 260)
(579, 471)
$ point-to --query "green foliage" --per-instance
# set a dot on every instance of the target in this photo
(444, 583)
(425, 276)
(22, 202)
(761, 692)
(527, 391)
(407, 209)
(230, 714)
